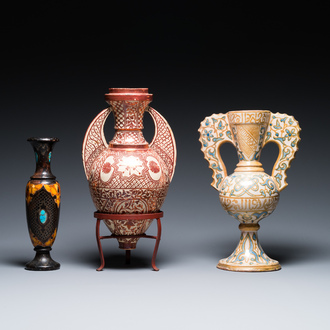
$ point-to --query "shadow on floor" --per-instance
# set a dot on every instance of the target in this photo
(117, 260)
(286, 253)
(295, 252)
(16, 262)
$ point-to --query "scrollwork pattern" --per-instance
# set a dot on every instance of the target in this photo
(94, 141)
(214, 131)
(249, 197)
(284, 131)
(253, 117)
(163, 142)
(128, 227)
(248, 252)
(249, 185)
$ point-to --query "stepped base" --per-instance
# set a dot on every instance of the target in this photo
(42, 261)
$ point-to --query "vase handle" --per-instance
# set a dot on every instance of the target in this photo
(214, 131)
(163, 142)
(94, 141)
(284, 131)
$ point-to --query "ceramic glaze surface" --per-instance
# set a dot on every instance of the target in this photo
(128, 227)
(249, 256)
(126, 181)
(249, 194)
(127, 175)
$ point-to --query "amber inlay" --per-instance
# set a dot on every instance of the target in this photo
(37, 242)
(54, 189)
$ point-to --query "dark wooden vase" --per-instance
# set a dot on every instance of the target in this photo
(42, 206)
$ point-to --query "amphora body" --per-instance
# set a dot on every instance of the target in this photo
(128, 175)
(249, 194)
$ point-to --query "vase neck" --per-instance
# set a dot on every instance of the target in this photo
(43, 148)
(249, 128)
(128, 115)
(128, 106)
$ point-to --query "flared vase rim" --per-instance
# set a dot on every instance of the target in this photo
(43, 139)
(129, 90)
(247, 110)
(128, 94)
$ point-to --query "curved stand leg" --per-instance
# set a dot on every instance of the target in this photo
(249, 255)
(159, 233)
(99, 245)
(103, 216)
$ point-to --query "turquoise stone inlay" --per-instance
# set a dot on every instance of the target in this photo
(50, 156)
(43, 216)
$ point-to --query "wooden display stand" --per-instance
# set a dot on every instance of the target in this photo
(103, 216)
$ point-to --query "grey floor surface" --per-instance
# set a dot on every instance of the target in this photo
(188, 292)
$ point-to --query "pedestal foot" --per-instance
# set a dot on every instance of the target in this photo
(249, 255)
(42, 260)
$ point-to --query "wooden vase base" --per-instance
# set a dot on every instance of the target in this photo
(42, 261)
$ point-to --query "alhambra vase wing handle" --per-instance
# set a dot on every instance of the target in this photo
(284, 131)
(94, 141)
(214, 131)
(163, 142)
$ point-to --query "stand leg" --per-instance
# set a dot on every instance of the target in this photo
(99, 245)
(159, 233)
(128, 257)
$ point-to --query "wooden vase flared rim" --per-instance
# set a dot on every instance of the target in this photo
(43, 139)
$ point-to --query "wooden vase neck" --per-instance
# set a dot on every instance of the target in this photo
(43, 148)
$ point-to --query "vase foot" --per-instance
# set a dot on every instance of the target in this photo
(257, 268)
(249, 255)
(127, 243)
(42, 261)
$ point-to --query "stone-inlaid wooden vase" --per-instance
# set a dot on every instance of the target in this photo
(249, 194)
(127, 175)
(42, 197)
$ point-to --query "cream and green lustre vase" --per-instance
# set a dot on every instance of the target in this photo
(249, 194)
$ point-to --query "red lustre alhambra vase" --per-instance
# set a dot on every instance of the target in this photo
(128, 175)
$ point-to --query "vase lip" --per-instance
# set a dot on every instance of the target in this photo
(43, 139)
(129, 94)
(247, 110)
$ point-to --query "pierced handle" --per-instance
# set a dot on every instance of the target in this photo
(284, 131)
(94, 141)
(214, 131)
(163, 142)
